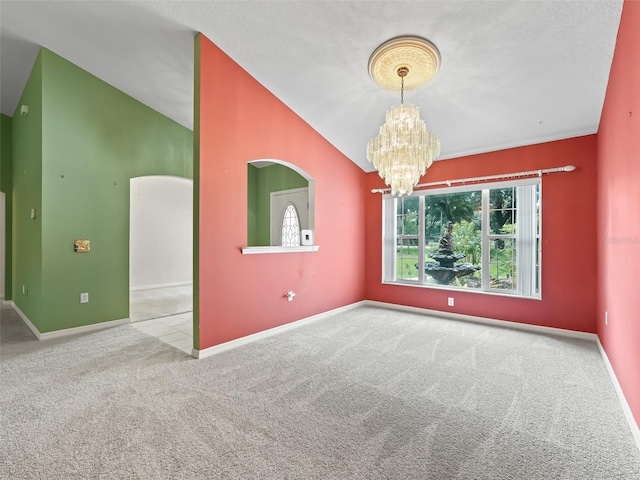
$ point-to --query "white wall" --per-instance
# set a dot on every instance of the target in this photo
(2, 244)
(161, 231)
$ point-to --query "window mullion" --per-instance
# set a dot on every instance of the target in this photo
(486, 279)
(421, 239)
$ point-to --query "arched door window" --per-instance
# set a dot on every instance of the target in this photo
(290, 231)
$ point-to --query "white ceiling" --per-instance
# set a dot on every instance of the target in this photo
(513, 72)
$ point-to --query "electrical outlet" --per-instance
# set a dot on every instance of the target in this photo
(84, 298)
(450, 301)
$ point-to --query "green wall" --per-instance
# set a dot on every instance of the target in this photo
(94, 139)
(261, 182)
(6, 186)
(252, 205)
(27, 195)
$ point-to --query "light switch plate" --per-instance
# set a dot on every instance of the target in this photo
(306, 237)
(84, 298)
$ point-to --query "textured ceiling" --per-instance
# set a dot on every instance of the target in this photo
(513, 72)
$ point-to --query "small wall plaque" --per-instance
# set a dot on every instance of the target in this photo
(81, 246)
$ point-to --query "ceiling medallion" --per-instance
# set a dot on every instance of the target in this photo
(418, 55)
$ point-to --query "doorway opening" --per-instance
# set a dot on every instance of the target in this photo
(161, 258)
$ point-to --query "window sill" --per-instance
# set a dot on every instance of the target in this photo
(260, 250)
(452, 289)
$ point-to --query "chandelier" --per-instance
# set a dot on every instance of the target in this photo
(404, 148)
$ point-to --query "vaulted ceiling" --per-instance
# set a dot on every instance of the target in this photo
(513, 72)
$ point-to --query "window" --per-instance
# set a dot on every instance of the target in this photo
(290, 230)
(478, 238)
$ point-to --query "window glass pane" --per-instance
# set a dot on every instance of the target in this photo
(407, 212)
(407, 259)
(502, 263)
(290, 227)
(502, 211)
(454, 261)
(454, 207)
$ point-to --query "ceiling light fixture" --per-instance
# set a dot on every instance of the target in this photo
(404, 148)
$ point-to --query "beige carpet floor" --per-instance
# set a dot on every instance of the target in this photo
(368, 394)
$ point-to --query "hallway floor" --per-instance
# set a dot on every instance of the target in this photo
(165, 313)
(176, 330)
(160, 302)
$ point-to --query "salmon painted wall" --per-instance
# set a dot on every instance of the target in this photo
(568, 229)
(618, 154)
(238, 120)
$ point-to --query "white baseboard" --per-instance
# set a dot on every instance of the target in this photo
(486, 321)
(67, 331)
(635, 431)
(223, 347)
(26, 320)
(84, 328)
(160, 285)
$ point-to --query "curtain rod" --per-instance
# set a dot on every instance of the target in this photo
(504, 176)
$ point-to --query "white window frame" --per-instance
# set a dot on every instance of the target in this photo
(528, 240)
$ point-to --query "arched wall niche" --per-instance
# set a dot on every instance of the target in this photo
(271, 185)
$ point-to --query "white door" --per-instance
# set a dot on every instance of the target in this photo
(280, 201)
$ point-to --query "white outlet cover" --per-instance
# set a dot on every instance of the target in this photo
(450, 301)
(84, 298)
